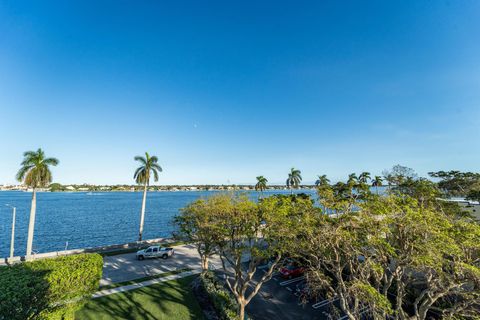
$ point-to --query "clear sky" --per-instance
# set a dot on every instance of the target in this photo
(223, 91)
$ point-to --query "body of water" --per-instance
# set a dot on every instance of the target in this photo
(92, 219)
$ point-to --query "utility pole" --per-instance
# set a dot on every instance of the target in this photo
(12, 240)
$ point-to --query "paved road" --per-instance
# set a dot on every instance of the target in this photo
(125, 267)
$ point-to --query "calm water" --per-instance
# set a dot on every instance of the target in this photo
(89, 220)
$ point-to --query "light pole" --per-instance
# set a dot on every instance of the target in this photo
(12, 241)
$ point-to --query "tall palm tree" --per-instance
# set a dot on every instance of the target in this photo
(294, 179)
(148, 166)
(322, 181)
(261, 184)
(35, 173)
(352, 179)
(364, 177)
(377, 182)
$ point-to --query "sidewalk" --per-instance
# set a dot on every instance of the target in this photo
(138, 285)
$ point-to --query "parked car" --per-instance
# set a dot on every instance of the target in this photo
(155, 252)
(291, 270)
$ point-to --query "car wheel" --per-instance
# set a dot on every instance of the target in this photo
(165, 256)
(141, 257)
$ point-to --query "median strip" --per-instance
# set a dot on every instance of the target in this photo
(142, 284)
(142, 279)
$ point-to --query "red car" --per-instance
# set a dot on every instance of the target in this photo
(291, 271)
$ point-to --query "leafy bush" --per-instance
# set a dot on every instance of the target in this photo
(48, 289)
(222, 300)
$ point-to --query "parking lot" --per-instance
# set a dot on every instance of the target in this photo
(278, 300)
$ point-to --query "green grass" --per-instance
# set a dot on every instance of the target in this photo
(126, 283)
(167, 300)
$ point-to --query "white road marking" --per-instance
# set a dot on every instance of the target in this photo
(323, 303)
(284, 283)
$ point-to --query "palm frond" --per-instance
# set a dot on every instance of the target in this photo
(140, 159)
(51, 161)
(157, 167)
(155, 175)
(137, 172)
(22, 172)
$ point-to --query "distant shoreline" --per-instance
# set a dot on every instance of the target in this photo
(125, 188)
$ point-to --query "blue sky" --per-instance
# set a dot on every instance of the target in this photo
(225, 91)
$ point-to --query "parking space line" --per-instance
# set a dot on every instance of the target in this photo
(324, 303)
(284, 283)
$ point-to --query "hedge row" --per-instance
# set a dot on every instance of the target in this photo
(223, 301)
(50, 288)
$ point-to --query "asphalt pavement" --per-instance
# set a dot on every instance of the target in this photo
(126, 267)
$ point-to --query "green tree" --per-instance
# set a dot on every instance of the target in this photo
(322, 181)
(426, 254)
(377, 182)
(398, 174)
(261, 232)
(364, 177)
(55, 187)
(396, 256)
(35, 173)
(474, 195)
(457, 183)
(198, 223)
(294, 179)
(261, 184)
(148, 166)
(341, 264)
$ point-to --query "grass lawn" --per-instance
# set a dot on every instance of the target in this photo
(167, 300)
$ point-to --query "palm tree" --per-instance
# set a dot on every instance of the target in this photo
(35, 173)
(322, 181)
(364, 177)
(352, 179)
(261, 184)
(377, 182)
(294, 179)
(148, 166)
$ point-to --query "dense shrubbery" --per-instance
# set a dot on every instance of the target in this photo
(222, 300)
(48, 288)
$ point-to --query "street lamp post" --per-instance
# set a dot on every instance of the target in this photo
(12, 240)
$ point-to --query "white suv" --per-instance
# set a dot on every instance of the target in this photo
(155, 252)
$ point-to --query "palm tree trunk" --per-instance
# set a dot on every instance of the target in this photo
(142, 212)
(31, 224)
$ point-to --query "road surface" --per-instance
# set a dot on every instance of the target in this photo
(125, 267)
